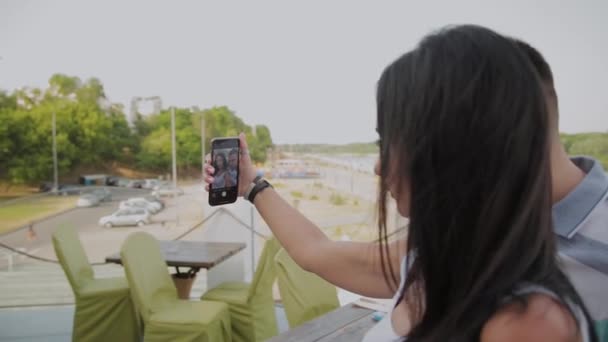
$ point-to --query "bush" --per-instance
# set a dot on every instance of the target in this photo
(337, 199)
(297, 194)
(314, 198)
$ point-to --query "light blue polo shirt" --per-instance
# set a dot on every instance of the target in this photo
(581, 224)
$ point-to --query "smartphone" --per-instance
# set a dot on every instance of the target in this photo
(225, 154)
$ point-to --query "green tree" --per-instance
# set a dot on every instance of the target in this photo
(590, 144)
(93, 132)
(89, 130)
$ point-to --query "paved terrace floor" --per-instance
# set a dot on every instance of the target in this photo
(54, 323)
(45, 313)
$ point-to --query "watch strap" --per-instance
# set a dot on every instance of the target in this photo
(251, 186)
(260, 186)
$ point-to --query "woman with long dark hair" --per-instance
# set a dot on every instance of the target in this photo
(464, 151)
(221, 165)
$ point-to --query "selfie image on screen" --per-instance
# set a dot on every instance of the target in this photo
(225, 163)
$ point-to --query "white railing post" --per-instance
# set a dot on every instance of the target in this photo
(252, 242)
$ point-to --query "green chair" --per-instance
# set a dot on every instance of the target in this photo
(165, 317)
(251, 305)
(602, 330)
(104, 310)
(305, 295)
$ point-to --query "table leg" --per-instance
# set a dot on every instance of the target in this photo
(231, 269)
(183, 282)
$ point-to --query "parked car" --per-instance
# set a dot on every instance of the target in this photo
(62, 189)
(155, 200)
(126, 217)
(68, 189)
(167, 191)
(112, 180)
(87, 200)
(162, 184)
(139, 202)
(46, 186)
(103, 194)
(123, 182)
(150, 183)
(135, 184)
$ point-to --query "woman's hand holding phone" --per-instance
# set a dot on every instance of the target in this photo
(246, 170)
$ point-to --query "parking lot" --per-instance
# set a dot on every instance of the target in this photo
(179, 214)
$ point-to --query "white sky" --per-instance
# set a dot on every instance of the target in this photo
(306, 69)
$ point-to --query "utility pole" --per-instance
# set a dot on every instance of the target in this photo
(203, 143)
(55, 172)
(174, 162)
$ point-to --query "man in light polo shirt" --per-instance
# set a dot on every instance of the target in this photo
(580, 208)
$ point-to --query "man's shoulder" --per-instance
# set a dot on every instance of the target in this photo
(584, 258)
(596, 224)
(581, 226)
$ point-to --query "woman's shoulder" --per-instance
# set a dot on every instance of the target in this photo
(541, 318)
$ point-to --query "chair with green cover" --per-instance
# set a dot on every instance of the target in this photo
(165, 316)
(602, 330)
(305, 295)
(251, 305)
(104, 309)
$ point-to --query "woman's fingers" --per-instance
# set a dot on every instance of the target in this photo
(209, 170)
(244, 149)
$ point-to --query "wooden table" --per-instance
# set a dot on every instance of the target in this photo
(220, 259)
(348, 323)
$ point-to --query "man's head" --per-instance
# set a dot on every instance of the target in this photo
(233, 159)
(546, 75)
(565, 174)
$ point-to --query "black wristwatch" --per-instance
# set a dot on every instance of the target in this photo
(257, 186)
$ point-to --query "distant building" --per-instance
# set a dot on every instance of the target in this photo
(93, 179)
(157, 104)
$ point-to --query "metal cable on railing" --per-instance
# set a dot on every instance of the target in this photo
(35, 257)
(229, 213)
(179, 237)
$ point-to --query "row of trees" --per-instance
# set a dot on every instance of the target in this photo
(94, 133)
(589, 144)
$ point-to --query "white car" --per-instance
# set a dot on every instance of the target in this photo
(139, 202)
(150, 183)
(167, 191)
(126, 217)
(87, 200)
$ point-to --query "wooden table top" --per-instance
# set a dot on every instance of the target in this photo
(348, 323)
(195, 254)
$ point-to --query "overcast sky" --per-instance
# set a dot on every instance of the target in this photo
(306, 69)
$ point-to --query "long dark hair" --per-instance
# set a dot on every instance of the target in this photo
(463, 119)
(224, 163)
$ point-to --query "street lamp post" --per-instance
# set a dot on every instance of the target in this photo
(55, 171)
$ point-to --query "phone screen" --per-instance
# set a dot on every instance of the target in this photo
(225, 154)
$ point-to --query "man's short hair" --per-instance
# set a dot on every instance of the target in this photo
(538, 61)
(234, 151)
(546, 76)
